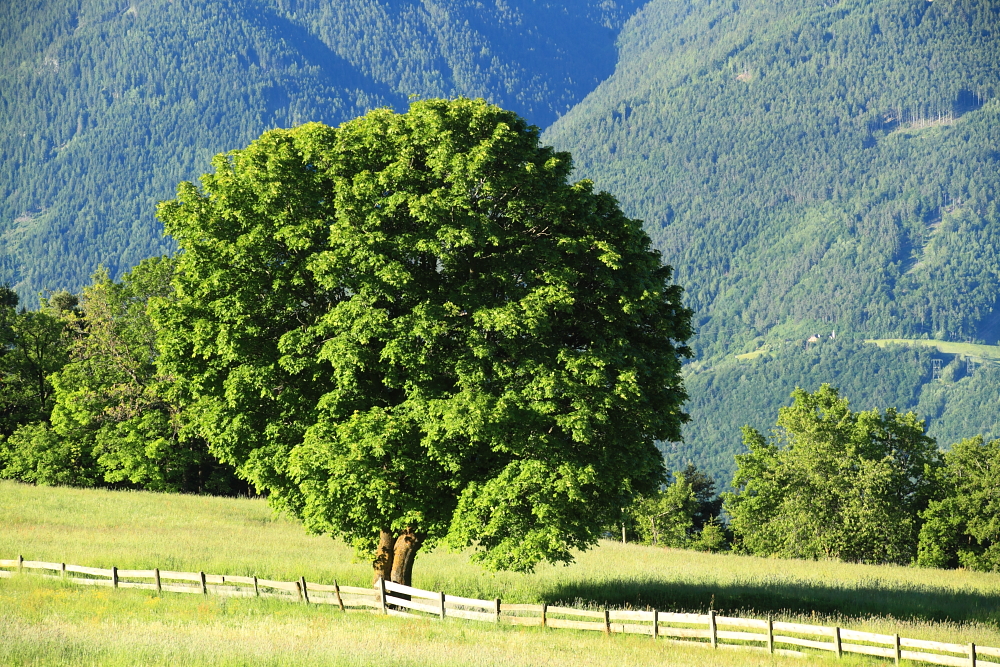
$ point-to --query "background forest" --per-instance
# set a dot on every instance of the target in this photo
(811, 169)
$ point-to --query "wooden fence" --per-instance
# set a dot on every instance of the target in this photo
(394, 599)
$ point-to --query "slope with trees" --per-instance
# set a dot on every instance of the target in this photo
(810, 167)
(105, 105)
(806, 164)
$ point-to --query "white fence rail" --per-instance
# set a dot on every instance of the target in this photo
(395, 599)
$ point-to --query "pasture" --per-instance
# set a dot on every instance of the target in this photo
(47, 622)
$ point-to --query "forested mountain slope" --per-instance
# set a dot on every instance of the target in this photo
(728, 393)
(809, 164)
(812, 167)
(105, 105)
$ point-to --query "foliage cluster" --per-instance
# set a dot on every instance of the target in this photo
(962, 526)
(33, 345)
(864, 487)
(683, 515)
(406, 329)
(86, 405)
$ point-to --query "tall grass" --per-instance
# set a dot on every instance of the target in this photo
(44, 622)
(243, 536)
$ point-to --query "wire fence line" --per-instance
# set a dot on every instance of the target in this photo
(394, 599)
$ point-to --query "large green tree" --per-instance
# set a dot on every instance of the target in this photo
(412, 328)
(833, 483)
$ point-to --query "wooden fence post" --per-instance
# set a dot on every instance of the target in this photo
(770, 635)
(114, 577)
(305, 590)
(256, 588)
(381, 588)
(441, 600)
(204, 584)
(899, 651)
(972, 654)
(62, 570)
(656, 624)
(298, 589)
(713, 629)
(336, 591)
(837, 644)
(20, 564)
(545, 614)
(497, 602)
(607, 622)
(156, 576)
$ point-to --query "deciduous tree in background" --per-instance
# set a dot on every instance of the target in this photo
(962, 526)
(413, 328)
(832, 483)
(683, 515)
(35, 345)
(113, 404)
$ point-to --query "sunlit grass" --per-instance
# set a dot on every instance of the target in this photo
(244, 536)
(44, 622)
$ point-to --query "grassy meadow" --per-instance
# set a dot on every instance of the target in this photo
(982, 352)
(47, 622)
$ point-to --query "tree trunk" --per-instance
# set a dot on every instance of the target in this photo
(407, 545)
(384, 556)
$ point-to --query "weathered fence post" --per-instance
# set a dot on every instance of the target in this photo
(114, 577)
(381, 588)
(497, 602)
(256, 588)
(972, 654)
(607, 622)
(336, 591)
(656, 624)
(899, 651)
(20, 564)
(156, 576)
(62, 570)
(441, 600)
(545, 614)
(713, 629)
(204, 584)
(305, 590)
(770, 635)
(298, 589)
(837, 644)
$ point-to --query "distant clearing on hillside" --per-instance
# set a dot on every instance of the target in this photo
(991, 352)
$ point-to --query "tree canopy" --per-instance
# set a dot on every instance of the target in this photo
(413, 328)
(962, 526)
(831, 482)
